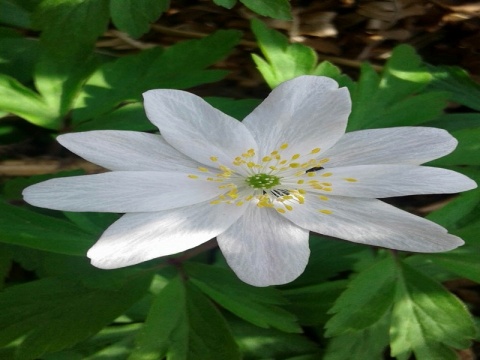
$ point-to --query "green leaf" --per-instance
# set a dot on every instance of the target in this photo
(225, 3)
(462, 261)
(134, 16)
(20, 100)
(456, 213)
(129, 117)
(395, 98)
(326, 68)
(27, 228)
(5, 263)
(237, 109)
(256, 305)
(260, 343)
(18, 55)
(284, 61)
(456, 121)
(277, 9)
(128, 77)
(132, 116)
(58, 82)
(52, 314)
(13, 13)
(367, 299)
(311, 303)
(71, 26)
(328, 258)
(467, 150)
(183, 324)
(369, 343)
(427, 319)
(458, 83)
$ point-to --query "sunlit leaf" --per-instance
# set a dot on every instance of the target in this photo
(283, 61)
(128, 77)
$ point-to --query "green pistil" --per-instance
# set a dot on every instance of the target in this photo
(263, 181)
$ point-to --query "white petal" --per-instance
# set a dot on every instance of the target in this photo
(265, 249)
(121, 191)
(196, 128)
(127, 150)
(307, 112)
(378, 181)
(139, 237)
(401, 145)
(373, 222)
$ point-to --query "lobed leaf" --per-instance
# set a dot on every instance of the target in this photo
(427, 319)
(369, 343)
(368, 298)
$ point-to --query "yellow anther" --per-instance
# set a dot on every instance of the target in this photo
(327, 189)
(272, 168)
(311, 174)
(202, 169)
(293, 165)
(323, 161)
(213, 158)
(193, 176)
(266, 159)
(251, 164)
(233, 193)
(289, 207)
(323, 197)
(283, 146)
(239, 203)
(327, 174)
(283, 162)
(215, 202)
(326, 183)
(350, 179)
(273, 153)
(249, 197)
(327, 212)
(315, 151)
(281, 211)
(300, 181)
(295, 156)
(301, 191)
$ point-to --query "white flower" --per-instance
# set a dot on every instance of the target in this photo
(259, 185)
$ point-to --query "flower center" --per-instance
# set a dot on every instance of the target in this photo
(262, 181)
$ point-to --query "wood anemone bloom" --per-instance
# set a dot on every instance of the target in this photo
(259, 185)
